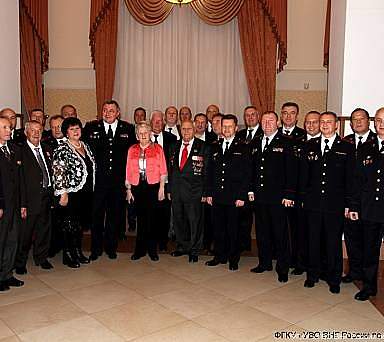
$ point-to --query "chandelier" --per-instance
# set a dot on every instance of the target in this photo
(179, 2)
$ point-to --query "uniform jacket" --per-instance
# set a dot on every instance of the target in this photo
(33, 176)
(156, 166)
(110, 156)
(12, 195)
(242, 134)
(274, 170)
(351, 138)
(229, 174)
(368, 194)
(188, 184)
(326, 180)
(297, 133)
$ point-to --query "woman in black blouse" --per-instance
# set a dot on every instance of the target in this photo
(73, 177)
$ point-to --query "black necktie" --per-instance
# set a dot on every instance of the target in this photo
(286, 131)
(360, 142)
(170, 129)
(42, 167)
(156, 136)
(266, 143)
(249, 136)
(326, 148)
(382, 147)
(110, 132)
(6, 153)
(226, 147)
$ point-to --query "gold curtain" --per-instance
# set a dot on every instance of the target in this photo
(103, 42)
(33, 50)
(216, 12)
(327, 34)
(149, 12)
(258, 46)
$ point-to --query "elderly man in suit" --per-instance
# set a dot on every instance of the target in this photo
(12, 197)
(37, 171)
(171, 118)
(187, 174)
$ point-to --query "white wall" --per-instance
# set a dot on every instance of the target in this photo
(363, 56)
(10, 55)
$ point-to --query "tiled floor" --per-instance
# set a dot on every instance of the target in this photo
(171, 300)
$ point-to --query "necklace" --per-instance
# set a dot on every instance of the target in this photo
(75, 146)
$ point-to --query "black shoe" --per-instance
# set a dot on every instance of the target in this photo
(93, 257)
(69, 261)
(154, 257)
(193, 258)
(347, 279)
(46, 265)
(177, 253)
(309, 283)
(81, 257)
(261, 269)
(363, 295)
(3, 286)
(297, 271)
(112, 255)
(283, 277)
(21, 270)
(233, 267)
(334, 289)
(213, 262)
(14, 282)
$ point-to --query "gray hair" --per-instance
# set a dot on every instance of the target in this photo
(143, 124)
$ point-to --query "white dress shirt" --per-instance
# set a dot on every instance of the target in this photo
(172, 130)
(254, 130)
(113, 126)
(363, 139)
(285, 129)
(224, 145)
(33, 148)
(264, 141)
(309, 137)
(330, 142)
(160, 139)
(189, 147)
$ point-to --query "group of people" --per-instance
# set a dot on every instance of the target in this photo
(200, 179)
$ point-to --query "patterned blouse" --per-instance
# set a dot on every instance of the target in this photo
(69, 169)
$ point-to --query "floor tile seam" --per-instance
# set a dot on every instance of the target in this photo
(212, 331)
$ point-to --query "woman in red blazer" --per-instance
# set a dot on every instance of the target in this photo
(146, 173)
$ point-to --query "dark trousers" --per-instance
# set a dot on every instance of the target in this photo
(36, 230)
(9, 236)
(271, 230)
(57, 216)
(208, 227)
(164, 222)
(325, 229)
(108, 204)
(245, 226)
(188, 225)
(226, 223)
(299, 239)
(147, 210)
(372, 240)
(354, 241)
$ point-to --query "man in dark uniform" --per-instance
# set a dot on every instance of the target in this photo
(227, 189)
(289, 118)
(187, 179)
(166, 140)
(353, 230)
(249, 135)
(201, 123)
(17, 135)
(37, 172)
(326, 177)
(170, 119)
(109, 139)
(274, 189)
(12, 197)
(368, 206)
